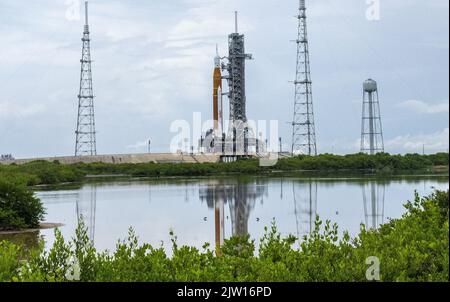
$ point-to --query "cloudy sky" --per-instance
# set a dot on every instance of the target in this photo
(153, 65)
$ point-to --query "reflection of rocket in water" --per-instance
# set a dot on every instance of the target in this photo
(241, 198)
(86, 208)
(217, 96)
(374, 214)
(305, 206)
(215, 198)
(219, 222)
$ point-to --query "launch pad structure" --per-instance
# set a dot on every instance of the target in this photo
(239, 138)
(227, 140)
(236, 77)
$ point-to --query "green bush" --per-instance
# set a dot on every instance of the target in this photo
(19, 208)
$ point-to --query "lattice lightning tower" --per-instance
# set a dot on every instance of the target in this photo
(85, 134)
(303, 126)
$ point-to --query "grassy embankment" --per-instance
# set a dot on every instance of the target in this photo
(413, 248)
(37, 173)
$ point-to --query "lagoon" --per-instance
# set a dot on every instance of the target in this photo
(153, 208)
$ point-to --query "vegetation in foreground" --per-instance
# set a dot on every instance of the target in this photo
(19, 208)
(39, 172)
(413, 248)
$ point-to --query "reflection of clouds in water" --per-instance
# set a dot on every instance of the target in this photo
(57, 197)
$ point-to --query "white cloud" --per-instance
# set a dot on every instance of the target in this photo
(434, 142)
(409, 143)
(12, 110)
(153, 60)
(424, 107)
(26, 49)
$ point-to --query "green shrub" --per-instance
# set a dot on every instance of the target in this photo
(19, 208)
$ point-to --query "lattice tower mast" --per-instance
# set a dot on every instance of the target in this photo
(86, 144)
(303, 125)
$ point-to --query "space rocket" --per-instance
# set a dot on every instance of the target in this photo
(217, 96)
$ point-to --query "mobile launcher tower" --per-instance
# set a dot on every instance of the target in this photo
(240, 138)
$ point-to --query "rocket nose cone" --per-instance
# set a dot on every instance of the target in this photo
(217, 62)
(217, 58)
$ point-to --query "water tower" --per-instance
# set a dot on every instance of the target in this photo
(372, 141)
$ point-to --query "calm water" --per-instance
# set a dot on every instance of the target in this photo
(187, 207)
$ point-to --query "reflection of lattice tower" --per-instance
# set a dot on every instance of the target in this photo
(242, 200)
(371, 130)
(85, 133)
(305, 207)
(86, 208)
(374, 212)
(236, 84)
(303, 125)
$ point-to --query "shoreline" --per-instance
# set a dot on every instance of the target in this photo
(323, 174)
(44, 174)
(42, 226)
